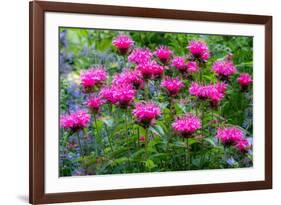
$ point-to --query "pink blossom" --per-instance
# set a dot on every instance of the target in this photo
(214, 95)
(213, 92)
(150, 70)
(200, 91)
(230, 135)
(93, 77)
(133, 77)
(195, 89)
(163, 53)
(217, 93)
(107, 93)
(95, 102)
(186, 125)
(142, 139)
(199, 49)
(66, 121)
(121, 95)
(140, 55)
(192, 67)
(224, 68)
(76, 120)
(173, 85)
(242, 145)
(244, 79)
(179, 63)
(146, 112)
(221, 86)
(123, 41)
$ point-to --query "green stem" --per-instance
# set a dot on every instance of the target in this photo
(98, 138)
(201, 72)
(127, 136)
(138, 147)
(220, 120)
(169, 136)
(197, 106)
(146, 89)
(224, 152)
(188, 156)
(202, 118)
(201, 76)
(146, 143)
(124, 61)
(138, 137)
(185, 151)
(109, 138)
(80, 145)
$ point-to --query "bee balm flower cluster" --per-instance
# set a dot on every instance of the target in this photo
(132, 90)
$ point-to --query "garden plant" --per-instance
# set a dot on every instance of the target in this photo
(135, 102)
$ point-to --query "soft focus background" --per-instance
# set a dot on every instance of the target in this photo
(14, 101)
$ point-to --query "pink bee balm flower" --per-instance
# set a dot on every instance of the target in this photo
(121, 95)
(195, 89)
(221, 87)
(242, 145)
(133, 77)
(93, 77)
(217, 93)
(106, 93)
(213, 92)
(192, 67)
(142, 139)
(200, 91)
(94, 103)
(214, 95)
(163, 53)
(173, 85)
(229, 135)
(199, 49)
(75, 121)
(186, 125)
(66, 121)
(146, 112)
(140, 55)
(179, 63)
(150, 70)
(123, 43)
(224, 68)
(244, 79)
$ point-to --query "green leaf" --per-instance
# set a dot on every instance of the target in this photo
(138, 154)
(180, 144)
(120, 161)
(211, 141)
(158, 130)
(180, 108)
(149, 164)
(108, 122)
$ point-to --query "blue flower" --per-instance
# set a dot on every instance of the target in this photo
(230, 161)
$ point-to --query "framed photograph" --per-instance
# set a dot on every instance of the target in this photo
(138, 102)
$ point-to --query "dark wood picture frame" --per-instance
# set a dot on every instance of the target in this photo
(37, 10)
